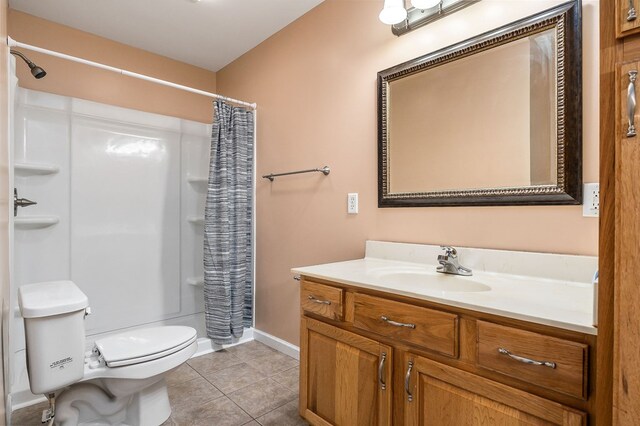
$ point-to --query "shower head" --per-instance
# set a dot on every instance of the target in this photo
(36, 71)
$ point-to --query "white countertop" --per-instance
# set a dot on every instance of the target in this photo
(555, 302)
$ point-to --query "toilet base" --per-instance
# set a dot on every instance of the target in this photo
(88, 404)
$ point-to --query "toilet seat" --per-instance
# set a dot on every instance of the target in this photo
(95, 366)
(143, 345)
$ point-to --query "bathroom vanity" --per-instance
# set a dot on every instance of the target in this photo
(387, 340)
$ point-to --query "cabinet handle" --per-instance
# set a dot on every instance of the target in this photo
(407, 382)
(297, 277)
(527, 360)
(631, 103)
(631, 13)
(383, 359)
(395, 323)
(315, 299)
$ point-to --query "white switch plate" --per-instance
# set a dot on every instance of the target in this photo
(591, 201)
(352, 203)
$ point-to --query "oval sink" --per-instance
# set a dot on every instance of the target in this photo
(435, 281)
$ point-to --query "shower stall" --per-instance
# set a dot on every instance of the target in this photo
(120, 200)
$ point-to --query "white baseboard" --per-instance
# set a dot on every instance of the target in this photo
(277, 343)
(27, 402)
(206, 346)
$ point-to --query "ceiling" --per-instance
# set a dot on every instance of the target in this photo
(207, 33)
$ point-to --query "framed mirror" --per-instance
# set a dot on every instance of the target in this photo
(493, 120)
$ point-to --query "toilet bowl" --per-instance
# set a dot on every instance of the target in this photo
(121, 381)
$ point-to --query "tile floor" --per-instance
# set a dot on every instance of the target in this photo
(249, 384)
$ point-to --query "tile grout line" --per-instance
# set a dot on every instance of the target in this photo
(279, 406)
(224, 394)
(264, 414)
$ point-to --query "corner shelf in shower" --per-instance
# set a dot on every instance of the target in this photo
(197, 179)
(196, 281)
(34, 169)
(196, 220)
(35, 222)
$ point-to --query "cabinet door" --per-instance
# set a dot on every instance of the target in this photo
(345, 379)
(626, 383)
(436, 394)
(627, 17)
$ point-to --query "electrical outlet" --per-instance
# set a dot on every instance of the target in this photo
(352, 203)
(591, 203)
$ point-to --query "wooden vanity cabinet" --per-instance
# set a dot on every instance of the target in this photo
(618, 380)
(345, 379)
(627, 14)
(437, 394)
(375, 359)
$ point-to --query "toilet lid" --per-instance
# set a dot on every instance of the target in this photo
(145, 344)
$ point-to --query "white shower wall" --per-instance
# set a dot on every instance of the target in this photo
(128, 197)
(125, 221)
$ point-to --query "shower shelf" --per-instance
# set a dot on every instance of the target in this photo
(196, 281)
(196, 220)
(35, 222)
(197, 179)
(32, 169)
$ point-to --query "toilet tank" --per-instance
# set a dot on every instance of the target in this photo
(53, 315)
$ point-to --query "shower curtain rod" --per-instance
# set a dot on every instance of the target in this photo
(13, 43)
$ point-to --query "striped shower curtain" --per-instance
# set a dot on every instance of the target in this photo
(228, 230)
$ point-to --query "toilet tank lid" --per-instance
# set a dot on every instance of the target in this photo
(50, 298)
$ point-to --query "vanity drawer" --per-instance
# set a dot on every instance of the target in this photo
(322, 300)
(428, 328)
(510, 351)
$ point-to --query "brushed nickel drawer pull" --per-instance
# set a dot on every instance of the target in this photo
(315, 299)
(383, 359)
(527, 360)
(631, 103)
(397, 324)
(297, 277)
(407, 382)
(631, 13)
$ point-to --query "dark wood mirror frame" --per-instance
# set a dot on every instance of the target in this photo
(567, 20)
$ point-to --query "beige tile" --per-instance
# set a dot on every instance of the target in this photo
(169, 422)
(262, 397)
(287, 415)
(219, 412)
(235, 377)
(184, 373)
(288, 378)
(252, 423)
(273, 363)
(213, 362)
(29, 416)
(194, 392)
(250, 350)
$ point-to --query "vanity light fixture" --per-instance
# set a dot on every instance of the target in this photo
(393, 12)
(424, 4)
(422, 12)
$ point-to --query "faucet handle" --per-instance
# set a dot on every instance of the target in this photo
(449, 251)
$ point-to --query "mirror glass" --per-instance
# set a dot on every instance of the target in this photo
(485, 125)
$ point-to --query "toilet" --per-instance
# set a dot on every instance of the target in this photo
(121, 381)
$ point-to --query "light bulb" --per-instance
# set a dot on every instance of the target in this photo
(424, 4)
(393, 12)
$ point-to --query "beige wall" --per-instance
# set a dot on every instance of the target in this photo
(4, 204)
(315, 85)
(81, 81)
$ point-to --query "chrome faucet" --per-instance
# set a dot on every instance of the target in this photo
(449, 263)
